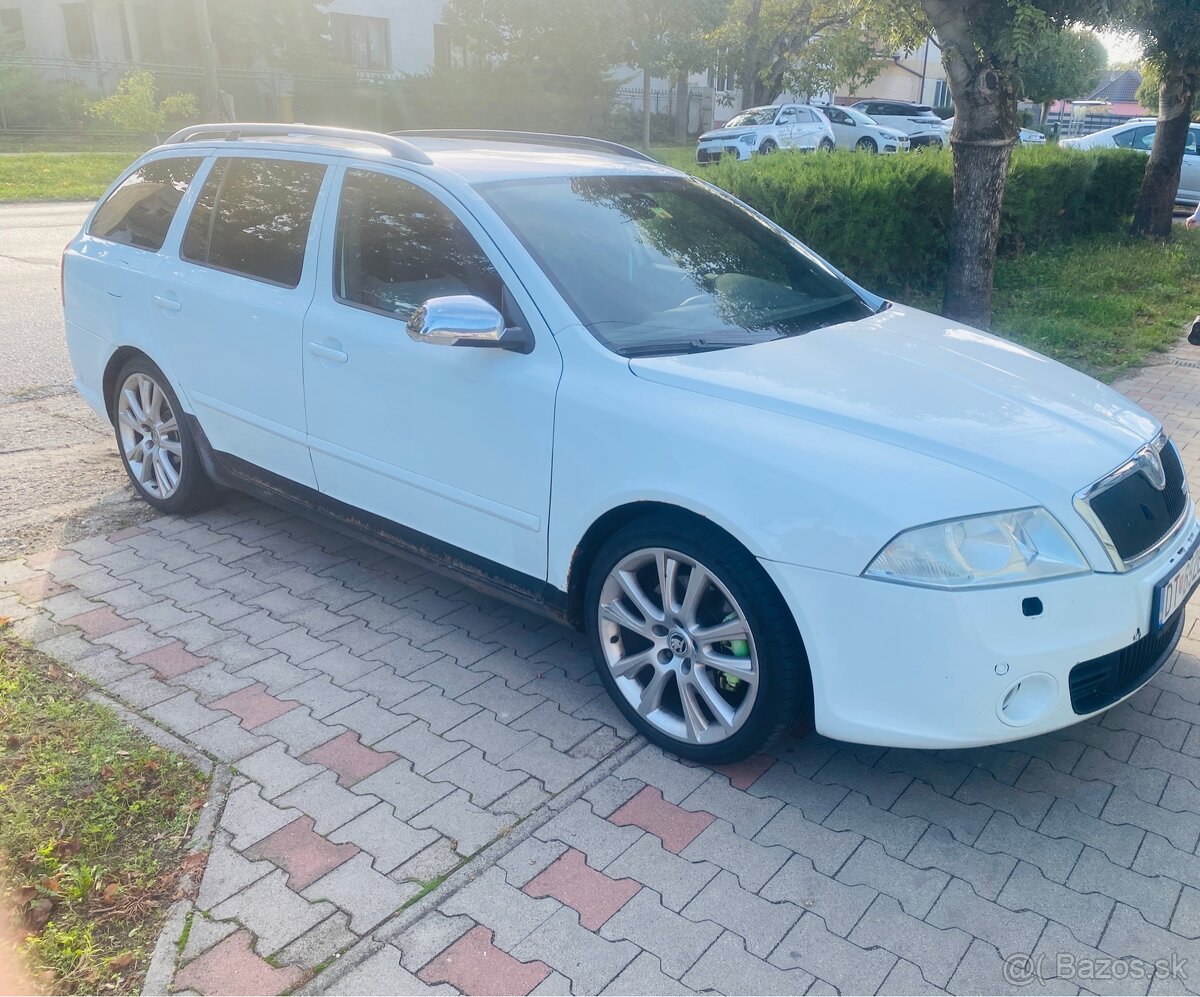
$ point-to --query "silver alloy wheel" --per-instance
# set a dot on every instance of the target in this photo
(678, 646)
(150, 436)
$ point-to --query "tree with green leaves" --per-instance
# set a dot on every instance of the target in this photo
(1147, 91)
(1170, 30)
(1063, 64)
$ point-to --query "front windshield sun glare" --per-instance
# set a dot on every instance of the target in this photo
(656, 265)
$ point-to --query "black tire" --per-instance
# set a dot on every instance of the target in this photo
(866, 144)
(768, 147)
(194, 491)
(826, 145)
(784, 698)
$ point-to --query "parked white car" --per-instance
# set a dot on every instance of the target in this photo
(1027, 136)
(763, 130)
(854, 130)
(1138, 133)
(766, 495)
(917, 121)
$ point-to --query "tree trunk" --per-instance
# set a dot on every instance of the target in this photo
(682, 102)
(646, 109)
(751, 67)
(1155, 211)
(985, 131)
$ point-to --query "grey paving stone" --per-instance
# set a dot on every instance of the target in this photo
(1003, 761)
(643, 976)
(1027, 807)
(1167, 726)
(496, 740)
(816, 800)
(469, 827)
(915, 887)
(1084, 913)
(273, 912)
(1181, 795)
(963, 820)
(327, 802)
(1119, 842)
(904, 979)
(366, 895)
(319, 944)
(321, 696)
(183, 715)
(1186, 919)
(936, 951)
(248, 818)
(828, 849)
(604, 711)
(728, 968)
(430, 936)
(554, 985)
(1129, 936)
(437, 710)
(257, 627)
(748, 814)
(528, 859)
(140, 689)
(838, 904)
(160, 615)
(675, 879)
(896, 833)
(386, 685)
(599, 744)
(400, 655)
(211, 681)
(452, 678)
(276, 771)
(881, 787)
(298, 730)
(1158, 857)
(226, 873)
(219, 609)
(563, 730)
(370, 720)
(471, 772)
(424, 749)
(555, 769)
(521, 800)
(810, 946)
(761, 922)
(235, 652)
(611, 793)
(570, 693)
(432, 862)
(1009, 931)
(228, 740)
(589, 961)
(388, 840)
(1088, 795)
(341, 665)
(983, 971)
(1154, 896)
(939, 851)
(71, 648)
(196, 634)
(462, 647)
(1149, 755)
(1054, 856)
(753, 864)
(278, 674)
(1181, 829)
(512, 915)
(677, 941)
(203, 935)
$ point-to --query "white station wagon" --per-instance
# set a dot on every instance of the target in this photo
(611, 392)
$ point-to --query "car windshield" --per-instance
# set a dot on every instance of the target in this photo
(754, 116)
(658, 265)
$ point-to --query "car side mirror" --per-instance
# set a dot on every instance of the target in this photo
(466, 320)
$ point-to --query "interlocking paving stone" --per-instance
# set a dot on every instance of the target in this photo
(407, 792)
(345, 755)
(302, 853)
(897, 834)
(227, 873)
(744, 774)
(983, 971)
(471, 772)
(1010, 931)
(432, 934)
(299, 730)
(555, 769)
(675, 879)
(752, 863)
(275, 914)
(276, 771)
(386, 685)
(1056, 857)
(248, 818)
(469, 827)
(761, 922)
(423, 749)
(676, 827)
(366, 895)
(228, 740)
(496, 740)
(98, 622)
(936, 951)
(1119, 842)
(388, 840)
(232, 967)
(492, 901)
(1084, 913)
(880, 786)
(916, 888)
(475, 966)
(673, 779)
(963, 820)
(1181, 829)
(815, 800)
(906, 978)
(253, 705)
(593, 895)
(1155, 896)
(643, 976)
(676, 941)
(589, 961)
(381, 973)
(438, 711)
(810, 946)
(1088, 795)
(1029, 807)
(169, 660)
(746, 813)
(827, 849)
(600, 840)
(325, 800)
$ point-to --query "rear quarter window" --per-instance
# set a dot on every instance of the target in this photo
(139, 212)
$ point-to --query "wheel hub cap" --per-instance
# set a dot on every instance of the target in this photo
(149, 436)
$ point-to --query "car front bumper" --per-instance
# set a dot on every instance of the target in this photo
(711, 152)
(903, 666)
(937, 139)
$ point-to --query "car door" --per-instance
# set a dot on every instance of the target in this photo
(230, 306)
(844, 128)
(1189, 177)
(785, 127)
(809, 128)
(452, 443)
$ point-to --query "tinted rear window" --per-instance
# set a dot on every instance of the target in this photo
(139, 212)
(253, 216)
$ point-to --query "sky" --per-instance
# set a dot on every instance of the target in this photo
(1121, 48)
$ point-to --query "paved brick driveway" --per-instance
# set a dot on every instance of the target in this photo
(431, 791)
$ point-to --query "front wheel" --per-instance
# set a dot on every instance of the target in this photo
(693, 641)
(867, 145)
(826, 145)
(768, 147)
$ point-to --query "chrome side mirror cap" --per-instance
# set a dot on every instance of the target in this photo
(466, 320)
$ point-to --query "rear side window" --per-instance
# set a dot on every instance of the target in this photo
(253, 217)
(398, 246)
(139, 212)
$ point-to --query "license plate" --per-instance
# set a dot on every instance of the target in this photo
(1174, 590)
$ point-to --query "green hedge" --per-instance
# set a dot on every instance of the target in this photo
(884, 220)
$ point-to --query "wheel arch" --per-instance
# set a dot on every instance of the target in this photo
(121, 356)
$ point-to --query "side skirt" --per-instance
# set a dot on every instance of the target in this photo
(482, 574)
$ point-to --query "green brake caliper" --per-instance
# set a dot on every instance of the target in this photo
(735, 649)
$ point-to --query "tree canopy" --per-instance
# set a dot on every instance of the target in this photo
(1063, 64)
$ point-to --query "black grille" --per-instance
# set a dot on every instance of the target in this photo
(713, 155)
(1136, 514)
(1102, 681)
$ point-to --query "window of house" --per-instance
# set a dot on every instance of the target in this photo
(941, 94)
(362, 42)
(149, 33)
(449, 50)
(81, 43)
(12, 27)
(398, 246)
(252, 218)
(140, 211)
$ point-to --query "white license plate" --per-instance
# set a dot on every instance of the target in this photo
(1174, 590)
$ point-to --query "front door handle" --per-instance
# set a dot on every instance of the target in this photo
(167, 304)
(327, 353)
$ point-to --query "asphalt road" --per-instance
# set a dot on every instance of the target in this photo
(60, 477)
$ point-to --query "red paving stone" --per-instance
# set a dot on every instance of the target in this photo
(675, 826)
(232, 967)
(46, 557)
(170, 660)
(475, 966)
(302, 853)
(99, 622)
(744, 774)
(39, 587)
(351, 760)
(254, 705)
(596, 896)
(127, 533)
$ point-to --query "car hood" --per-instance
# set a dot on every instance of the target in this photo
(925, 384)
(728, 133)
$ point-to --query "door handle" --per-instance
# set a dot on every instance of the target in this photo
(327, 353)
(167, 304)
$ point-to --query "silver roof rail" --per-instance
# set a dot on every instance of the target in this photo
(538, 138)
(234, 131)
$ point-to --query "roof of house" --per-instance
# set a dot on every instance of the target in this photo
(1117, 85)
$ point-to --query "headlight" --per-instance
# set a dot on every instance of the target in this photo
(748, 139)
(998, 549)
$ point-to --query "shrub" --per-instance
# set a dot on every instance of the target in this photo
(135, 106)
(885, 220)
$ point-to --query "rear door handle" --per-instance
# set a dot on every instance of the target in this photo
(167, 304)
(327, 353)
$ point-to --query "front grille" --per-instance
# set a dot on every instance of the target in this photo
(713, 155)
(1102, 681)
(1137, 515)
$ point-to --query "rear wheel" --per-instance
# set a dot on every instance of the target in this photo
(693, 641)
(865, 144)
(826, 145)
(157, 447)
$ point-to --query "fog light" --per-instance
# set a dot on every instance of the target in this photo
(1027, 700)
